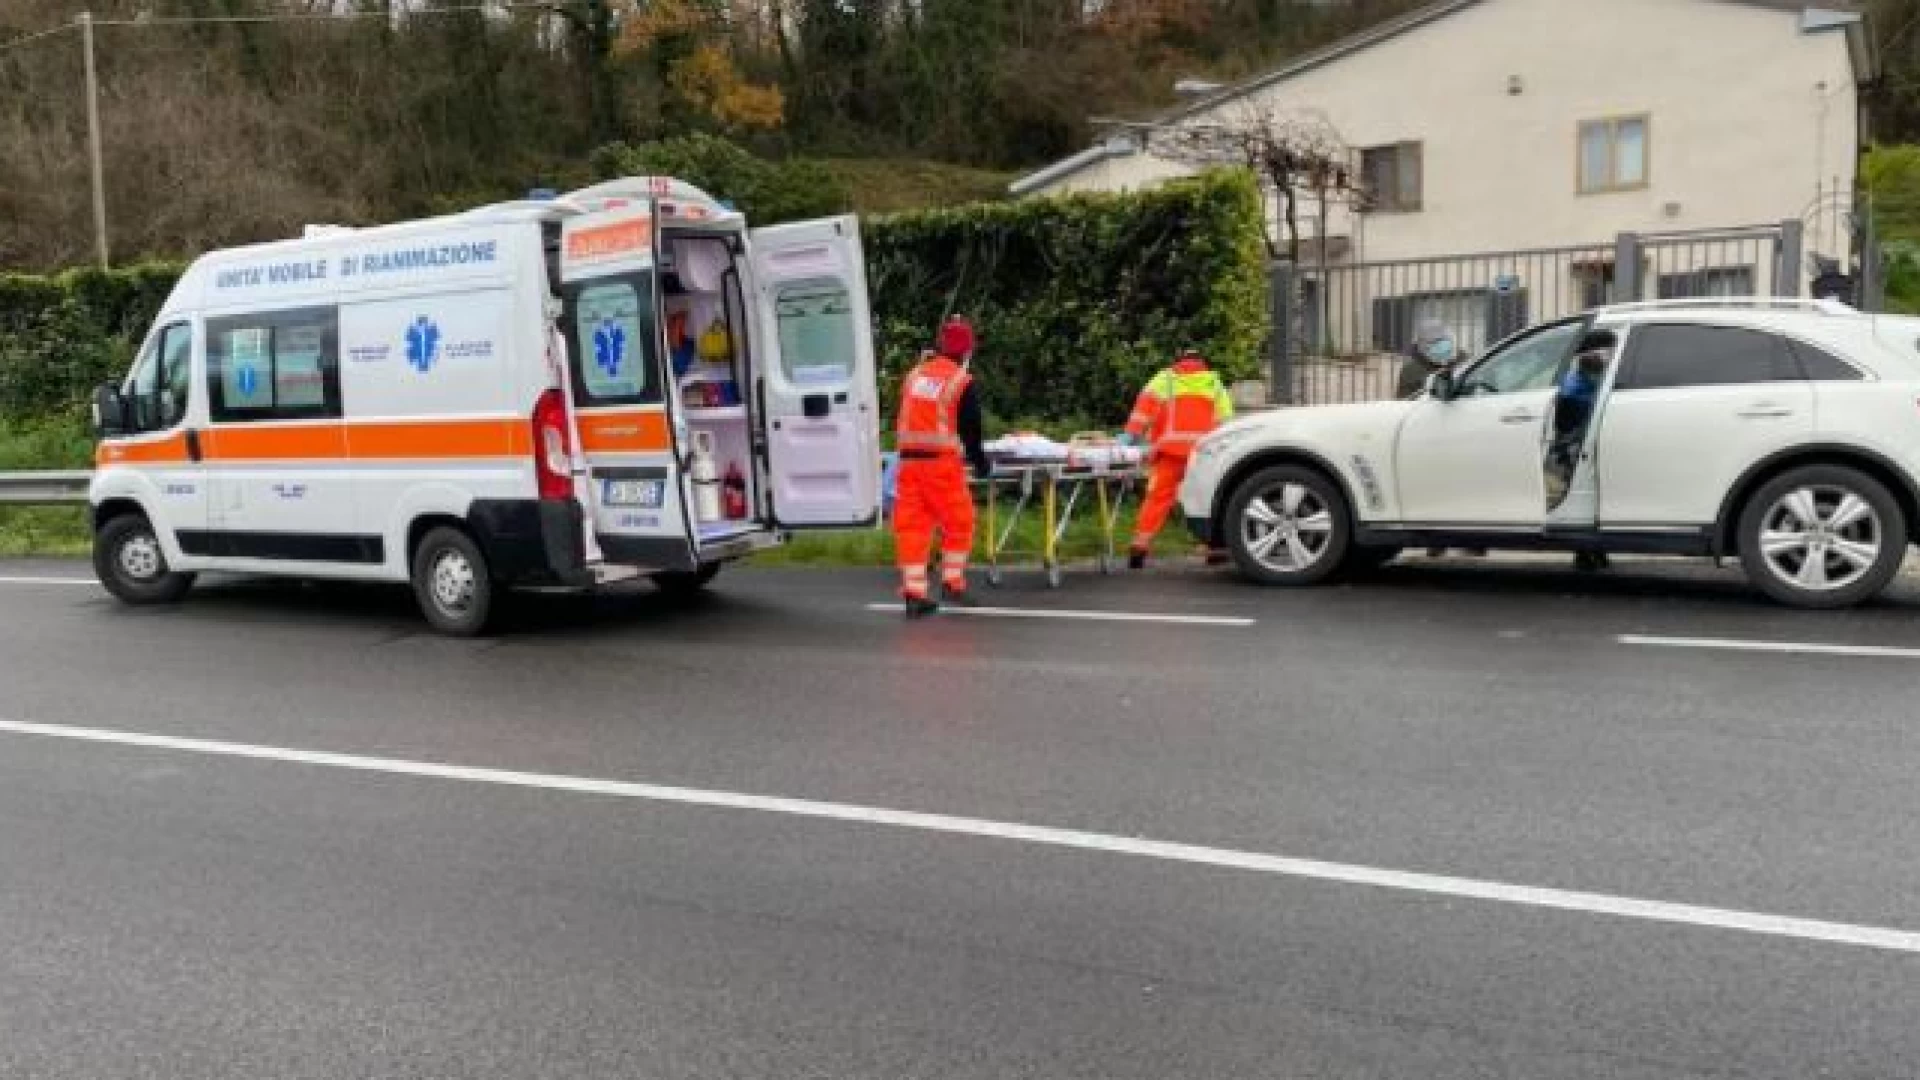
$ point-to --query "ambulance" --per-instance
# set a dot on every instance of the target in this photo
(563, 391)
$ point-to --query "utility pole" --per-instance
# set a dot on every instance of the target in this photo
(93, 140)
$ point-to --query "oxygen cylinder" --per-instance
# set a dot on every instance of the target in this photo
(706, 478)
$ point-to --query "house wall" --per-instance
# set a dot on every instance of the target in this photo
(1749, 121)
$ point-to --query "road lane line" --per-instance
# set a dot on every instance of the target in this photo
(48, 581)
(1087, 616)
(1748, 922)
(1799, 647)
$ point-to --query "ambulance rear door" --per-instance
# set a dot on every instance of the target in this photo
(817, 378)
(609, 263)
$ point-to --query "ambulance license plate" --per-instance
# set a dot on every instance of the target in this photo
(646, 494)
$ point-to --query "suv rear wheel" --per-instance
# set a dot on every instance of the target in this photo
(128, 559)
(1288, 525)
(1822, 536)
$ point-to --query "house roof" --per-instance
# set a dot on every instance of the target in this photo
(1816, 15)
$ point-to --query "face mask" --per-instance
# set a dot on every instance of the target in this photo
(1440, 352)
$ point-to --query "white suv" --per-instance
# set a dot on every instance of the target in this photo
(1785, 432)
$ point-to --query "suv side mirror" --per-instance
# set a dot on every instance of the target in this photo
(109, 412)
(1440, 385)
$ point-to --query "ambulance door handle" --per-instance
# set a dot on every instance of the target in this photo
(816, 406)
(193, 445)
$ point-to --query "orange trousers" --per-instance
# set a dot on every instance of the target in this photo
(1163, 486)
(932, 495)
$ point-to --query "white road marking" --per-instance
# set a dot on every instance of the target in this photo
(1748, 922)
(1088, 616)
(1741, 645)
(47, 581)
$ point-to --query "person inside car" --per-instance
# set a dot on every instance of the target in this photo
(1433, 350)
(1574, 402)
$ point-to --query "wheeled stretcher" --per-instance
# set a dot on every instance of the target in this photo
(1092, 475)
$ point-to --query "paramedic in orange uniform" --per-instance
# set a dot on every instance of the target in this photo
(939, 434)
(1178, 406)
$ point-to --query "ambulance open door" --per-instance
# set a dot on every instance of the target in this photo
(819, 400)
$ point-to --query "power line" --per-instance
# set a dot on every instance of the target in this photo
(293, 17)
(21, 42)
(327, 16)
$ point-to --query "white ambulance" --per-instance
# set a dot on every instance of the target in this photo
(623, 380)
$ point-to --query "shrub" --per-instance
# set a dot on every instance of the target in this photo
(768, 192)
(1076, 300)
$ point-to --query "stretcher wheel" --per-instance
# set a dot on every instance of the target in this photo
(993, 576)
(1053, 575)
(1106, 563)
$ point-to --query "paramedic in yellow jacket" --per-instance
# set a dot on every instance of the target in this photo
(1178, 406)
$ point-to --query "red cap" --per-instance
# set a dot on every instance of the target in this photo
(956, 338)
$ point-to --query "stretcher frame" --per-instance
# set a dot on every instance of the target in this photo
(1044, 481)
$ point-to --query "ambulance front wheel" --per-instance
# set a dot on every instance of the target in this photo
(129, 561)
(683, 583)
(452, 583)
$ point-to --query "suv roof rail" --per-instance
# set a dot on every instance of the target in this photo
(1792, 303)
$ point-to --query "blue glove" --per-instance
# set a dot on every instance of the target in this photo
(1127, 439)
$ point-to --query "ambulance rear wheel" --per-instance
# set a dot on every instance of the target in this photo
(684, 583)
(128, 559)
(452, 583)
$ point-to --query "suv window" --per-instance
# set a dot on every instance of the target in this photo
(1527, 364)
(1819, 365)
(1667, 355)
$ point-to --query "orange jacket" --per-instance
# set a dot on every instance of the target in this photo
(1178, 406)
(931, 422)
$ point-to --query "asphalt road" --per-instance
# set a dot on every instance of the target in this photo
(207, 909)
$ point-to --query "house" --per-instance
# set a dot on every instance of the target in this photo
(1488, 126)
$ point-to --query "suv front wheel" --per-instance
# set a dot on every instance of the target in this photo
(1822, 536)
(1288, 525)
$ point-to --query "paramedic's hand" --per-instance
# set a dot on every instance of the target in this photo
(1126, 439)
(983, 469)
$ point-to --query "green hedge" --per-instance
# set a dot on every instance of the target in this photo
(1076, 301)
(61, 336)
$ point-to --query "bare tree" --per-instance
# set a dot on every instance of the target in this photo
(1295, 154)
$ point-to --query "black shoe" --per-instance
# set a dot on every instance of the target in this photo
(919, 607)
(1136, 560)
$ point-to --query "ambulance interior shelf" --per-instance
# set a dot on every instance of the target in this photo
(703, 307)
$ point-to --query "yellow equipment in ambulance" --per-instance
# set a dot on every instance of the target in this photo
(521, 394)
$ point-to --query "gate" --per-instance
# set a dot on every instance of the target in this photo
(1341, 330)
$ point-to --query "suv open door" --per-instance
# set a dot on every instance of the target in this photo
(820, 406)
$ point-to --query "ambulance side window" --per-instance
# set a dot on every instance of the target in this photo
(280, 365)
(816, 330)
(610, 341)
(160, 387)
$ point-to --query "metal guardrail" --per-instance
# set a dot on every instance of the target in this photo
(44, 488)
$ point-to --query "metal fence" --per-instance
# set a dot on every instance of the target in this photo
(1342, 330)
(43, 488)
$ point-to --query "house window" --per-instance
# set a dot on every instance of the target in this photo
(1613, 154)
(1392, 176)
(1707, 282)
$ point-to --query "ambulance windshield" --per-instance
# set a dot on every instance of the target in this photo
(610, 328)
